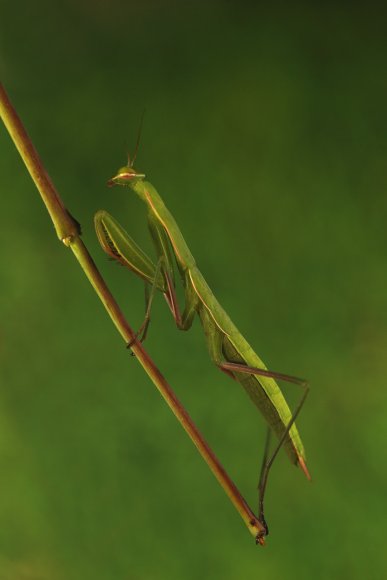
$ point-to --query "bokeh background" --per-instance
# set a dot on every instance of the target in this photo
(266, 133)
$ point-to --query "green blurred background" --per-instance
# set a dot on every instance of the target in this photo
(265, 133)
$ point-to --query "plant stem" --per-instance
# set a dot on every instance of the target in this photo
(67, 230)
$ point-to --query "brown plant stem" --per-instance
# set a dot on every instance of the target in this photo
(67, 230)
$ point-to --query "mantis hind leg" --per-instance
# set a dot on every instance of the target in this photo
(216, 345)
(267, 462)
(243, 368)
(149, 296)
(183, 321)
(261, 478)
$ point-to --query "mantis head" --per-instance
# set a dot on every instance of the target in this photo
(126, 175)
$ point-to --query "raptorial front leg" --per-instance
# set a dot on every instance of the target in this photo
(119, 245)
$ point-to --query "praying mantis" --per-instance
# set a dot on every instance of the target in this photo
(228, 349)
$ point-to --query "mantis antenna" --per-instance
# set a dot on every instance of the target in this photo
(131, 163)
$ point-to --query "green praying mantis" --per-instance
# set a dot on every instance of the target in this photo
(228, 349)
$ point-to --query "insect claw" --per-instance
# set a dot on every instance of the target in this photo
(260, 540)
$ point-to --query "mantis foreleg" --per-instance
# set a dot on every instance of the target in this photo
(121, 247)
